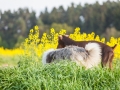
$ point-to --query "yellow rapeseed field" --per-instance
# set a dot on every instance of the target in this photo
(33, 45)
(11, 52)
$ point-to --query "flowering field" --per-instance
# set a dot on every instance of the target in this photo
(10, 57)
(34, 46)
(29, 74)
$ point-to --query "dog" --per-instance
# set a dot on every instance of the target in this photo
(88, 57)
(107, 51)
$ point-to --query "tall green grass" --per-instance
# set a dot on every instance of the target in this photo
(60, 76)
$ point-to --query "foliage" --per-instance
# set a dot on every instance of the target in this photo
(59, 27)
(48, 41)
(34, 46)
(30, 74)
(15, 24)
(59, 76)
(10, 57)
(90, 18)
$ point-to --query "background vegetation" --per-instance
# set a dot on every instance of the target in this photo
(101, 19)
(22, 68)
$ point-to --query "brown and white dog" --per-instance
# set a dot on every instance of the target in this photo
(107, 51)
(87, 57)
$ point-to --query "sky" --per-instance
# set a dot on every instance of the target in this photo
(39, 5)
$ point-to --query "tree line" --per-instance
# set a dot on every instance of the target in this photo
(103, 19)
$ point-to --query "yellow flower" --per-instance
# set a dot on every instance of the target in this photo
(31, 31)
(36, 27)
(35, 46)
(52, 31)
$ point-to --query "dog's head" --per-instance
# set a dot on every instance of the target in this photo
(61, 40)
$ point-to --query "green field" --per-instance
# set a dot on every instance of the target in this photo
(30, 75)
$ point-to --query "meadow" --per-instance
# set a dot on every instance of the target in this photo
(21, 68)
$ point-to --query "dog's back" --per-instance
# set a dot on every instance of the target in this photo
(63, 54)
(89, 56)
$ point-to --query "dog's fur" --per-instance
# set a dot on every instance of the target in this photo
(107, 51)
(87, 57)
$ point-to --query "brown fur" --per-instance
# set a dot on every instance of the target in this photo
(107, 51)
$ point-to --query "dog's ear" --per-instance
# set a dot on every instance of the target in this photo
(60, 37)
(66, 35)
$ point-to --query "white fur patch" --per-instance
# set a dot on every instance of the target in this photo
(94, 57)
